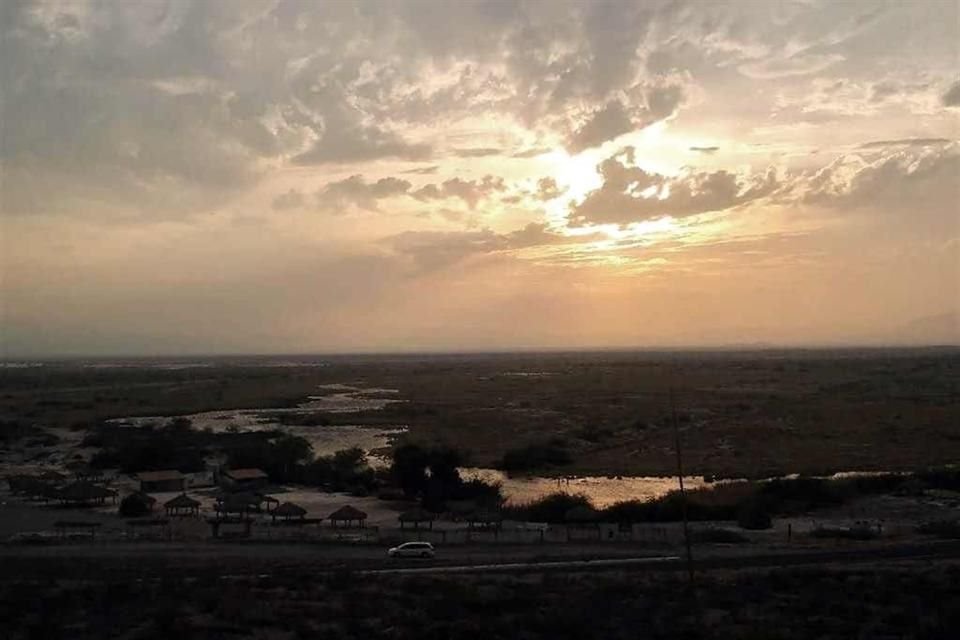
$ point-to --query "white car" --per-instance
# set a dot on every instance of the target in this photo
(412, 550)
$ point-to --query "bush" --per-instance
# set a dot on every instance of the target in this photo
(754, 515)
(536, 456)
(717, 536)
(552, 508)
(946, 529)
(134, 506)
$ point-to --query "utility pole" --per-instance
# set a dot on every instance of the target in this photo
(683, 494)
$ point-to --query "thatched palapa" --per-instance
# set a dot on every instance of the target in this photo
(346, 516)
(182, 505)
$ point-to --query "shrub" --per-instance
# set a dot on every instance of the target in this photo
(536, 456)
(946, 529)
(717, 536)
(134, 506)
(754, 515)
(552, 508)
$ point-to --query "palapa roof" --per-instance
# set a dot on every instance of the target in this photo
(246, 474)
(347, 513)
(146, 498)
(289, 510)
(82, 490)
(581, 513)
(182, 501)
(417, 515)
(159, 476)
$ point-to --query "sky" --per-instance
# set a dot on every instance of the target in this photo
(200, 177)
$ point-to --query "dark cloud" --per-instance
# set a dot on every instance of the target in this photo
(624, 195)
(951, 98)
(604, 124)
(707, 150)
(617, 118)
(357, 191)
(469, 191)
(663, 102)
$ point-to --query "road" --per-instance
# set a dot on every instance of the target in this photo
(137, 560)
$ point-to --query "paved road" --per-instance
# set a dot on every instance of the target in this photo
(262, 560)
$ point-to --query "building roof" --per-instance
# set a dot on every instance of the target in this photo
(245, 474)
(289, 510)
(159, 476)
(82, 490)
(182, 501)
(347, 513)
(145, 498)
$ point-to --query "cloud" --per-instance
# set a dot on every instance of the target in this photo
(602, 125)
(476, 152)
(798, 65)
(911, 180)
(883, 90)
(951, 98)
(615, 119)
(707, 150)
(361, 144)
(356, 191)
(469, 191)
(422, 171)
(547, 189)
(531, 153)
(432, 250)
(631, 194)
(292, 199)
(905, 142)
(429, 250)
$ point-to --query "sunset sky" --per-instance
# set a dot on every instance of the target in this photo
(284, 176)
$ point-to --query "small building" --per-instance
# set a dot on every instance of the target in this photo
(348, 517)
(245, 478)
(182, 506)
(84, 494)
(160, 481)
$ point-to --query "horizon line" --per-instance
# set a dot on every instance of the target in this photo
(727, 347)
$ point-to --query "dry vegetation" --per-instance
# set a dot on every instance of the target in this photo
(900, 601)
(753, 414)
